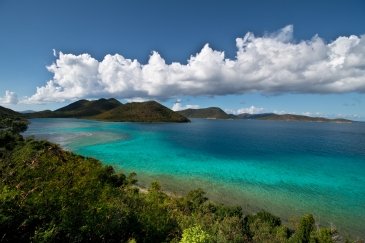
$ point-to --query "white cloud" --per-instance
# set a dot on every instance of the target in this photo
(250, 110)
(281, 112)
(273, 63)
(136, 99)
(308, 113)
(54, 52)
(10, 98)
(177, 106)
(347, 116)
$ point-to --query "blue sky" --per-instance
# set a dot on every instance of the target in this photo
(177, 30)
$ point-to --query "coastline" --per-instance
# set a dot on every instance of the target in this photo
(225, 196)
(176, 187)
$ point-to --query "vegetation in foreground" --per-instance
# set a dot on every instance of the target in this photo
(51, 195)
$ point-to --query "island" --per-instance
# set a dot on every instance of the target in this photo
(113, 110)
(218, 113)
(208, 113)
(152, 111)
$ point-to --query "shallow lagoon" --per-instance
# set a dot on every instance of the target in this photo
(288, 168)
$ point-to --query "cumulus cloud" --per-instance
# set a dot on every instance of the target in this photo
(271, 64)
(308, 113)
(282, 112)
(250, 110)
(10, 98)
(177, 106)
(137, 99)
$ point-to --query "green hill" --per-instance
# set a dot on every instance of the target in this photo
(40, 114)
(79, 109)
(12, 121)
(5, 112)
(113, 110)
(150, 111)
(211, 112)
(83, 108)
(218, 113)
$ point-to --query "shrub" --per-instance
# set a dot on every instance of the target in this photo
(195, 234)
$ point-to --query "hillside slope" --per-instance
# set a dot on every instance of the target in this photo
(210, 112)
(78, 109)
(83, 108)
(113, 110)
(150, 111)
(5, 112)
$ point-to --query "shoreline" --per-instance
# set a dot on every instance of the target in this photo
(176, 189)
(142, 186)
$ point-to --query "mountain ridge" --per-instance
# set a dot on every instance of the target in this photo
(6, 112)
(152, 111)
(210, 112)
(217, 113)
(113, 110)
(149, 111)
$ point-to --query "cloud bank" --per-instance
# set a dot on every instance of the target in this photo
(250, 110)
(270, 64)
(10, 98)
(177, 106)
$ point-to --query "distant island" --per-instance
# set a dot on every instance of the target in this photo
(208, 113)
(217, 113)
(152, 111)
(113, 110)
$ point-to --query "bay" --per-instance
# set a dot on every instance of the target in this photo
(287, 168)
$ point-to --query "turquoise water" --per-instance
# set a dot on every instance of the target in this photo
(288, 168)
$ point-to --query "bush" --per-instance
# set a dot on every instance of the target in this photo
(304, 230)
(195, 234)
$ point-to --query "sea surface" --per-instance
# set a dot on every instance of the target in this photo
(287, 168)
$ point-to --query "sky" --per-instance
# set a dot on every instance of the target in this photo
(303, 57)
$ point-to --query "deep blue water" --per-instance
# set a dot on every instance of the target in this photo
(288, 168)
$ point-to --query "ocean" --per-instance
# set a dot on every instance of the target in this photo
(287, 168)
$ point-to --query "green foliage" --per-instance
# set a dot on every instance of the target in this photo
(194, 200)
(156, 221)
(265, 227)
(267, 218)
(149, 111)
(195, 234)
(304, 230)
(81, 108)
(211, 112)
(322, 235)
